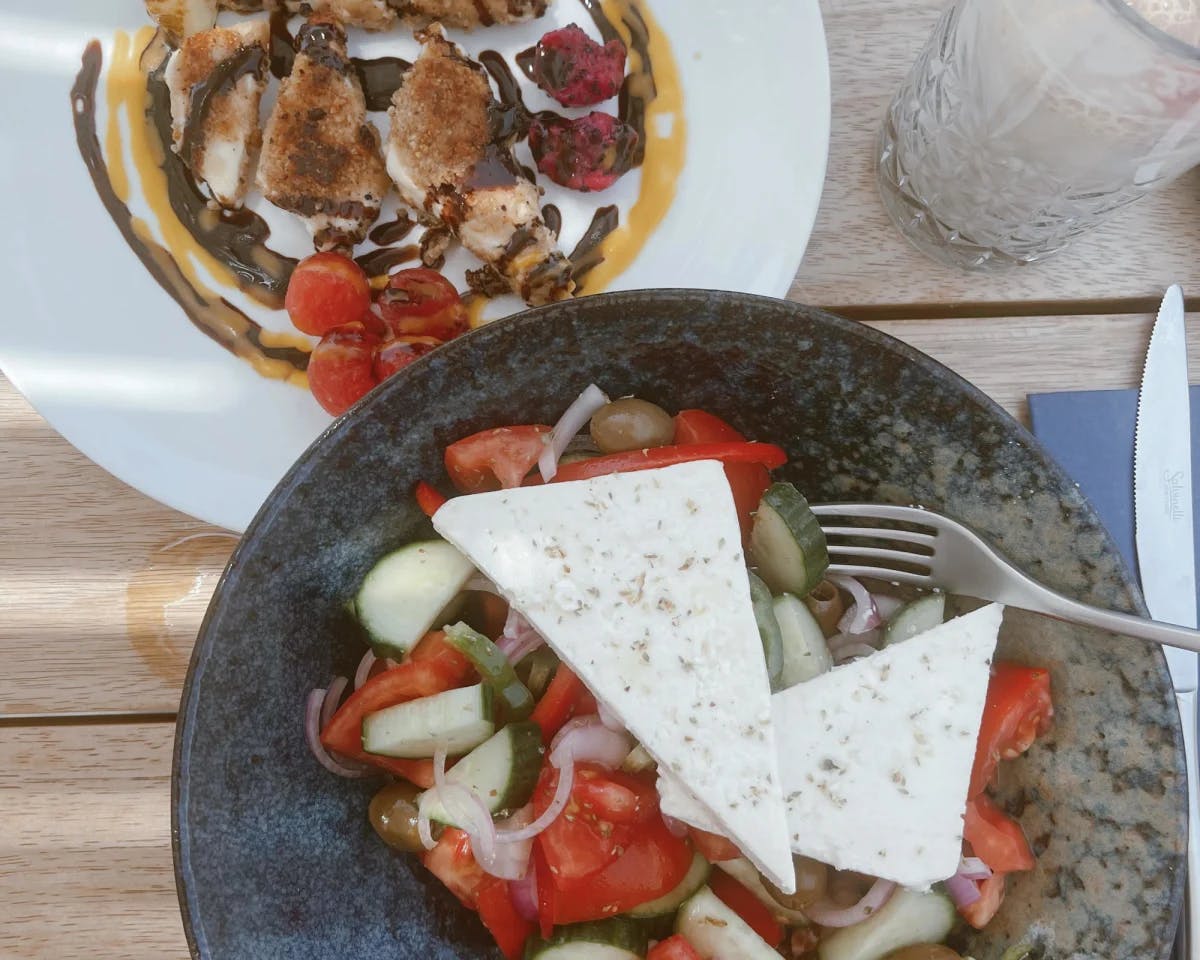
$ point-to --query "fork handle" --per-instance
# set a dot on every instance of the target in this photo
(1054, 604)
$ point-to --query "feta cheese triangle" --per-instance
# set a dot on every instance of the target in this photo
(876, 755)
(637, 581)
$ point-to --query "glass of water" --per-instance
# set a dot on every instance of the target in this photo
(1025, 123)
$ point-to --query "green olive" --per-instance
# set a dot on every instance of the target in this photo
(924, 951)
(812, 880)
(393, 814)
(631, 424)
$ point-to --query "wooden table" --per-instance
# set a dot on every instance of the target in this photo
(102, 590)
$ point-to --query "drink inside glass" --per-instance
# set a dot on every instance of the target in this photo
(1025, 123)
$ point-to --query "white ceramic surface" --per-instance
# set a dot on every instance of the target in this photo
(109, 359)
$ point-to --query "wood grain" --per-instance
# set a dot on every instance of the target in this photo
(85, 844)
(102, 591)
(101, 588)
(857, 257)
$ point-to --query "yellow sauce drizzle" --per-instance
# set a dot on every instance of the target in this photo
(126, 90)
(666, 147)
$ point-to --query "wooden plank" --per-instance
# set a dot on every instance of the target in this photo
(102, 591)
(85, 844)
(856, 256)
(101, 588)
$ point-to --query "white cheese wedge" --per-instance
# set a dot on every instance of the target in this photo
(638, 582)
(876, 756)
(675, 800)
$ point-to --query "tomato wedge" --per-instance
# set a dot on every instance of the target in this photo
(766, 454)
(1018, 709)
(652, 865)
(673, 948)
(601, 818)
(712, 846)
(428, 499)
(565, 697)
(433, 667)
(996, 838)
(509, 929)
(991, 894)
(747, 906)
(452, 862)
(493, 459)
(747, 481)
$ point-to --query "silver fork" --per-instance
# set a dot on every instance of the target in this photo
(939, 552)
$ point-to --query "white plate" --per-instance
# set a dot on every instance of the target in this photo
(111, 362)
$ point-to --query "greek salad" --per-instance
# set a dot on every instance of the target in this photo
(624, 711)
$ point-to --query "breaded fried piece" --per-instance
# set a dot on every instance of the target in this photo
(443, 161)
(321, 156)
(182, 18)
(469, 13)
(370, 14)
(216, 79)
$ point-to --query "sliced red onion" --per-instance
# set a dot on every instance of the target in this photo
(523, 894)
(512, 861)
(840, 641)
(608, 718)
(519, 638)
(364, 668)
(829, 914)
(332, 698)
(591, 743)
(886, 605)
(852, 651)
(974, 869)
(312, 734)
(862, 615)
(562, 793)
(574, 419)
(677, 828)
(963, 890)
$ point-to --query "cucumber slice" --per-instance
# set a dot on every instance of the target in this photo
(512, 697)
(407, 592)
(915, 617)
(613, 939)
(787, 543)
(768, 630)
(746, 873)
(805, 652)
(637, 761)
(908, 918)
(458, 720)
(668, 903)
(714, 930)
(502, 771)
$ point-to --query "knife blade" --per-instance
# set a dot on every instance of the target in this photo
(1162, 485)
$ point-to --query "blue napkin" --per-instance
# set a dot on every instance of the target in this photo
(1091, 434)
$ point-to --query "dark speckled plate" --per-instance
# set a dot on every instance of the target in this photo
(275, 857)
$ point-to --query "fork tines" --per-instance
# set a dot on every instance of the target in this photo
(877, 541)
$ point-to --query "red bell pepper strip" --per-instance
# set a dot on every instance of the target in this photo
(565, 697)
(433, 667)
(509, 929)
(765, 454)
(673, 948)
(429, 499)
(547, 895)
(747, 906)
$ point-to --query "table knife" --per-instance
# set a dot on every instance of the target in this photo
(1162, 491)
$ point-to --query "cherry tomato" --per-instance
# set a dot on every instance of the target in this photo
(712, 846)
(342, 367)
(327, 290)
(1018, 709)
(421, 302)
(565, 698)
(509, 929)
(996, 838)
(495, 458)
(673, 948)
(399, 353)
(428, 499)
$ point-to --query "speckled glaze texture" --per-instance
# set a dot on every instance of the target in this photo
(275, 858)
